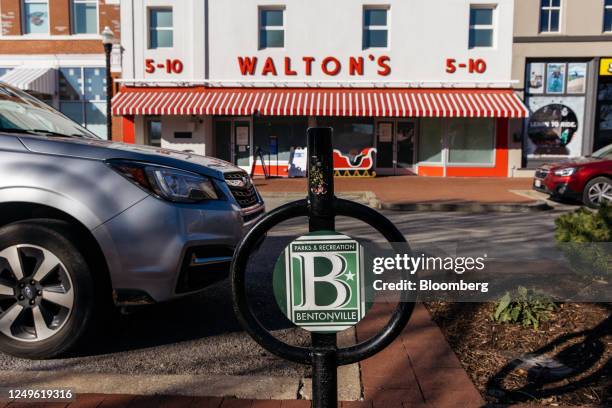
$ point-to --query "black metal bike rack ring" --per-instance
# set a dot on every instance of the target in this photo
(303, 355)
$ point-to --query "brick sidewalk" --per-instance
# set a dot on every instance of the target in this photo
(417, 189)
(417, 370)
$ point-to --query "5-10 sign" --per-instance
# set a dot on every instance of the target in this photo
(170, 66)
(473, 66)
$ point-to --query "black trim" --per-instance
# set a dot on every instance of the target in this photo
(545, 38)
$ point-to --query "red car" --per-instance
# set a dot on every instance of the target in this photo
(587, 179)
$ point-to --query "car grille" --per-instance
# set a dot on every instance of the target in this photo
(244, 192)
(541, 173)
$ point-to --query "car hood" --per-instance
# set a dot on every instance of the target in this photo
(573, 162)
(96, 149)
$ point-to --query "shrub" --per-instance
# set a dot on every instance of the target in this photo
(526, 307)
(584, 237)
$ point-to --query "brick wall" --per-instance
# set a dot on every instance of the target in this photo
(59, 24)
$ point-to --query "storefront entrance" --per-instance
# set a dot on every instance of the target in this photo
(395, 146)
(232, 138)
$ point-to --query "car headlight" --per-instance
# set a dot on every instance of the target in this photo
(171, 184)
(568, 171)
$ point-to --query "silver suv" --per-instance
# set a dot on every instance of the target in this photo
(86, 224)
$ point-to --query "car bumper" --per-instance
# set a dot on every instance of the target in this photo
(558, 187)
(157, 250)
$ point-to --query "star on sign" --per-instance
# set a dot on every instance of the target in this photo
(349, 275)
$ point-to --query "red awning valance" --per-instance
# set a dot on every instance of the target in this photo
(498, 103)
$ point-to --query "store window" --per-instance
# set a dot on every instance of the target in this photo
(430, 140)
(4, 71)
(482, 30)
(154, 132)
(82, 97)
(85, 16)
(375, 27)
(607, 23)
(351, 135)
(277, 136)
(550, 15)
(161, 28)
(35, 17)
(271, 28)
(471, 141)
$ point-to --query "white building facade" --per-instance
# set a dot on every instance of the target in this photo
(409, 86)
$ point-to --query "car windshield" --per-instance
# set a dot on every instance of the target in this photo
(22, 113)
(603, 153)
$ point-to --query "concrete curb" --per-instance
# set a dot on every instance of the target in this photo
(469, 207)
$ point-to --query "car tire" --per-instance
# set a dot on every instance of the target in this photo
(52, 303)
(597, 190)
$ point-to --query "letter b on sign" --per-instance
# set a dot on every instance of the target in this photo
(318, 282)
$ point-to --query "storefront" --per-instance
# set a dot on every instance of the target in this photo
(603, 130)
(405, 99)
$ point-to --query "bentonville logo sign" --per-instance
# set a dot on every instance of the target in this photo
(318, 282)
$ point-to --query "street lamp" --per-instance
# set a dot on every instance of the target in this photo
(108, 38)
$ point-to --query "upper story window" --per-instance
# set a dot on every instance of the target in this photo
(271, 28)
(607, 16)
(550, 14)
(482, 29)
(375, 27)
(161, 28)
(84, 16)
(35, 17)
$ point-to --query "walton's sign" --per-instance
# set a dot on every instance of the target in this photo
(330, 66)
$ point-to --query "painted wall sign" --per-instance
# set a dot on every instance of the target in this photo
(329, 66)
(551, 128)
(319, 283)
(169, 66)
(472, 66)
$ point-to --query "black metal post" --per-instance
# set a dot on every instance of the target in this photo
(321, 217)
(109, 91)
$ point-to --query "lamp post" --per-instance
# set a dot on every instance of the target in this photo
(108, 38)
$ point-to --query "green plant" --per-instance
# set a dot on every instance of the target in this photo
(526, 307)
(584, 236)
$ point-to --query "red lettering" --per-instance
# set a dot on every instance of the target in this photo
(149, 66)
(478, 66)
(177, 66)
(325, 66)
(288, 70)
(451, 68)
(308, 64)
(247, 65)
(382, 62)
(355, 66)
(269, 67)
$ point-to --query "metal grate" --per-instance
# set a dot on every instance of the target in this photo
(242, 188)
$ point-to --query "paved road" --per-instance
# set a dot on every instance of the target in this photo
(199, 335)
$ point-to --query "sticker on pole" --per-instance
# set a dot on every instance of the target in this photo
(319, 282)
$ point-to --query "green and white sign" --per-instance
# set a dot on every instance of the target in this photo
(319, 282)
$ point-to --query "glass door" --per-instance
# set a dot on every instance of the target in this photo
(232, 138)
(395, 147)
(404, 146)
(385, 149)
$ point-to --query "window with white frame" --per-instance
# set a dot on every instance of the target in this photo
(35, 16)
(84, 16)
(550, 16)
(271, 27)
(607, 16)
(375, 27)
(161, 27)
(482, 26)
(82, 96)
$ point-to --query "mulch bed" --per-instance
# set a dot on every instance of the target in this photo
(578, 336)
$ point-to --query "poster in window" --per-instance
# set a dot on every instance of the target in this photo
(536, 78)
(551, 128)
(576, 77)
(385, 132)
(242, 135)
(555, 78)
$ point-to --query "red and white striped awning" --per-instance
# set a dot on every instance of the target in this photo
(497, 103)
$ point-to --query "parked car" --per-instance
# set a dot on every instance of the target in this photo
(587, 179)
(86, 224)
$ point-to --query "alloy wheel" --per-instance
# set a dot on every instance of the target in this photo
(36, 293)
(600, 192)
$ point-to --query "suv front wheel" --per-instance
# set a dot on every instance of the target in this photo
(46, 290)
(597, 191)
